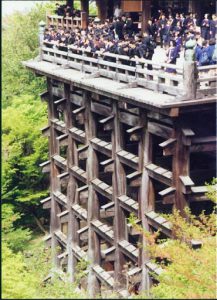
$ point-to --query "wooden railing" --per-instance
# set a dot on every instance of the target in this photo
(134, 72)
(67, 22)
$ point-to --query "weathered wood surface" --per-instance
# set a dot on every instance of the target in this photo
(106, 175)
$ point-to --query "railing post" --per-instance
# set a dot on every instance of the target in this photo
(190, 80)
(41, 37)
(190, 73)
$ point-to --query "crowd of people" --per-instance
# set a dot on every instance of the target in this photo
(66, 11)
(121, 36)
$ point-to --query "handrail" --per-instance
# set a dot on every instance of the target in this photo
(66, 22)
(126, 69)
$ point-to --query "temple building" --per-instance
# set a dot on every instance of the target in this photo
(123, 139)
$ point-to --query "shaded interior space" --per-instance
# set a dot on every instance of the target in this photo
(161, 205)
(63, 151)
(201, 123)
(82, 153)
(202, 167)
(103, 132)
(157, 153)
(130, 143)
(105, 171)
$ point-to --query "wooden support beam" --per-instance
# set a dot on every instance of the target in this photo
(46, 131)
(129, 250)
(101, 146)
(44, 96)
(168, 147)
(158, 222)
(107, 120)
(129, 119)
(46, 166)
(64, 216)
(79, 174)
(60, 101)
(187, 136)
(46, 203)
(60, 198)
(101, 109)
(187, 183)
(102, 188)
(63, 139)
(160, 130)
(103, 276)
(103, 230)
(78, 110)
(159, 174)
(180, 165)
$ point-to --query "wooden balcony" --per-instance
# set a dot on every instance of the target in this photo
(133, 72)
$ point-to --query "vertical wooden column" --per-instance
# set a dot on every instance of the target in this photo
(190, 76)
(146, 13)
(195, 7)
(146, 200)
(119, 188)
(102, 9)
(93, 205)
(53, 149)
(180, 166)
(84, 13)
(71, 189)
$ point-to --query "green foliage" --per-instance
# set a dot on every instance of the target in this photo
(15, 239)
(23, 149)
(17, 282)
(187, 273)
(19, 43)
(23, 275)
(212, 190)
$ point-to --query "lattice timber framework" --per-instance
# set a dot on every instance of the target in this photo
(123, 138)
(109, 158)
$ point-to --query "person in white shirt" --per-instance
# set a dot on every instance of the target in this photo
(117, 12)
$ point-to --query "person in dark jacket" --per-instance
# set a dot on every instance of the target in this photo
(203, 56)
(205, 28)
(129, 27)
(162, 30)
(172, 54)
(119, 26)
(213, 26)
(210, 51)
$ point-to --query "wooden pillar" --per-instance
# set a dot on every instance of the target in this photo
(180, 166)
(93, 205)
(71, 189)
(119, 188)
(195, 7)
(190, 80)
(146, 13)
(53, 149)
(84, 13)
(85, 6)
(146, 200)
(102, 9)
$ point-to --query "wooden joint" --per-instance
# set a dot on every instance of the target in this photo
(44, 96)
(60, 101)
(187, 183)
(78, 110)
(46, 203)
(45, 166)
(187, 135)
(106, 120)
(46, 131)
